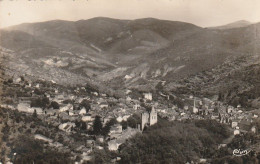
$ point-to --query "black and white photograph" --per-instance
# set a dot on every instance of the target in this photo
(129, 81)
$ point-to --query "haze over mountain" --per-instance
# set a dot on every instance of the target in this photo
(135, 53)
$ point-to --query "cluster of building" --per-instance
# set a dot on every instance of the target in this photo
(196, 108)
(71, 111)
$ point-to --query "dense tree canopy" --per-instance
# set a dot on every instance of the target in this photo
(171, 142)
(219, 130)
(29, 150)
(132, 121)
(40, 102)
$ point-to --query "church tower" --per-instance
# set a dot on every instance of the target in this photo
(145, 120)
(153, 117)
(148, 118)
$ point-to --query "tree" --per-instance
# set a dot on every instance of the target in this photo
(244, 101)
(22, 78)
(220, 96)
(83, 126)
(235, 101)
(77, 123)
(10, 80)
(38, 91)
(97, 125)
(40, 102)
(178, 102)
(108, 125)
(55, 105)
(86, 104)
(159, 86)
(133, 120)
(45, 102)
(35, 113)
(124, 124)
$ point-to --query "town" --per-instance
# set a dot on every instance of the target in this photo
(102, 121)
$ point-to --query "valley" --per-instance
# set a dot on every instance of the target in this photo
(108, 90)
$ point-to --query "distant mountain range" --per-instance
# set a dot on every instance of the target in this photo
(237, 24)
(133, 53)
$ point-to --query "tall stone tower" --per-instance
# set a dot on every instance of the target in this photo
(153, 117)
(145, 120)
(149, 118)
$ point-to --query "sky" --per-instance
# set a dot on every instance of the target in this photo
(204, 13)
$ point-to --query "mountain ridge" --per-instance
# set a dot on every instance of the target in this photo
(236, 24)
(144, 50)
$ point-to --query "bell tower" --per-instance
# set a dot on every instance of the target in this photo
(149, 118)
(153, 117)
